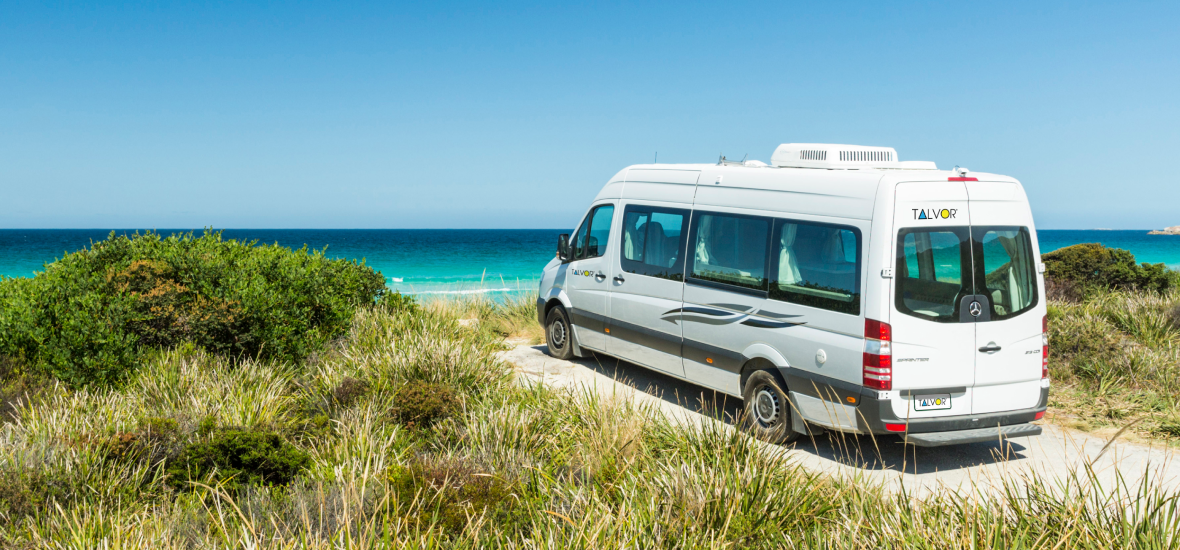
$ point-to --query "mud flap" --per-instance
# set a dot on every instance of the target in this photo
(798, 425)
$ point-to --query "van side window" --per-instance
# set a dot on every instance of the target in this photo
(933, 272)
(816, 265)
(730, 249)
(597, 234)
(652, 241)
(1009, 277)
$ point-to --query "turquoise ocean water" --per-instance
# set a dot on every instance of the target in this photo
(464, 261)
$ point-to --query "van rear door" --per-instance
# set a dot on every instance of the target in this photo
(1008, 333)
(933, 342)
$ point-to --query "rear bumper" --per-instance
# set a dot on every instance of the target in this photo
(873, 414)
(978, 435)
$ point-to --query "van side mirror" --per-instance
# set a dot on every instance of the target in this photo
(563, 247)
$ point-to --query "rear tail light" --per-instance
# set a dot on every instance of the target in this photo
(1039, 415)
(895, 427)
(878, 355)
(1044, 347)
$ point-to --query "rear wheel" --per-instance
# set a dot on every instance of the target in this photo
(558, 334)
(768, 411)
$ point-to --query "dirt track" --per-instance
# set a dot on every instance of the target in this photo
(963, 468)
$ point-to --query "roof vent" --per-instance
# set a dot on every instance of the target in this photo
(826, 155)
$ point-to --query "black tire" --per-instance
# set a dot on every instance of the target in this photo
(767, 409)
(558, 334)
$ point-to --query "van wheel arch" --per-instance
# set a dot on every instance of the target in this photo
(553, 302)
(756, 364)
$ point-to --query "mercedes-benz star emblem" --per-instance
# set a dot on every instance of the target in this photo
(975, 309)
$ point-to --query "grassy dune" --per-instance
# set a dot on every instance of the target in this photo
(490, 463)
(1115, 362)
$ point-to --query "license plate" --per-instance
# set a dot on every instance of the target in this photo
(936, 402)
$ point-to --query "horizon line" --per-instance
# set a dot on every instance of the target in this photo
(416, 229)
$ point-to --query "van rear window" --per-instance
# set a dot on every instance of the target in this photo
(933, 272)
(1009, 278)
(937, 268)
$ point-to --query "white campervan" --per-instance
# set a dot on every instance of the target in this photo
(837, 287)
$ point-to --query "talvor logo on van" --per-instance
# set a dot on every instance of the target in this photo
(935, 213)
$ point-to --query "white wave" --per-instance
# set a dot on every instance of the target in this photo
(396, 279)
(472, 291)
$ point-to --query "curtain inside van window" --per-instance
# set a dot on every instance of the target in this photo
(817, 265)
(1008, 265)
(731, 249)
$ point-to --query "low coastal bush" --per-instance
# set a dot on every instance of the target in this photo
(1114, 358)
(235, 458)
(454, 491)
(88, 316)
(1075, 271)
(421, 404)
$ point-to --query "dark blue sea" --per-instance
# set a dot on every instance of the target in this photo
(463, 261)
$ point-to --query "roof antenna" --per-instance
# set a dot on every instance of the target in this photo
(657, 160)
(744, 157)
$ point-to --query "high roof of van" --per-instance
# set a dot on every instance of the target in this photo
(849, 193)
(866, 180)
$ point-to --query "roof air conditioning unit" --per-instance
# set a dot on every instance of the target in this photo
(834, 156)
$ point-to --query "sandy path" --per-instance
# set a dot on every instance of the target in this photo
(963, 468)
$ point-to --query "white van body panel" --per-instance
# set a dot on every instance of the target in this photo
(764, 351)
(1008, 379)
(709, 334)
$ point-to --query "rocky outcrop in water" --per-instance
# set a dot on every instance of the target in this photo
(1174, 230)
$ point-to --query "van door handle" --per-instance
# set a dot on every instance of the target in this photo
(990, 347)
(619, 279)
(600, 276)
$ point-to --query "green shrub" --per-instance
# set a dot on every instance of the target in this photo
(396, 302)
(28, 492)
(237, 458)
(421, 404)
(350, 390)
(89, 315)
(457, 490)
(18, 386)
(1094, 267)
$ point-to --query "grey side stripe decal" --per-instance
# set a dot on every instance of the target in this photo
(714, 316)
(761, 323)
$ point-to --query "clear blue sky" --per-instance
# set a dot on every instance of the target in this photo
(513, 115)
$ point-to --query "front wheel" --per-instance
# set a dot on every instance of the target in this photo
(558, 335)
(768, 410)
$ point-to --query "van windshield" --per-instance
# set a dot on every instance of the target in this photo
(938, 267)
